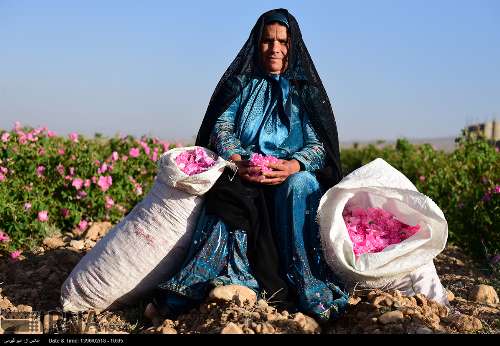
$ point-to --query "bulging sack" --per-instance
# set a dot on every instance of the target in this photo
(147, 245)
(399, 266)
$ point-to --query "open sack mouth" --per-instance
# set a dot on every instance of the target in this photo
(372, 229)
(375, 223)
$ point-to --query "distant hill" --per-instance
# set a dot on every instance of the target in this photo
(442, 143)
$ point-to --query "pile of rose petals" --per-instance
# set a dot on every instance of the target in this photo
(373, 229)
(194, 161)
(258, 160)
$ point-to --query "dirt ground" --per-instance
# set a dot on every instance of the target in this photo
(31, 286)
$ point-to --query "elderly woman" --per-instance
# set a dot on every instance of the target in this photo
(259, 229)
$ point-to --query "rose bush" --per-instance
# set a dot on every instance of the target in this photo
(51, 183)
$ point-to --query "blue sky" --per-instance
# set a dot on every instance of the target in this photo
(416, 69)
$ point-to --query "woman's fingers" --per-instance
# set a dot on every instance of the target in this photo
(278, 166)
(273, 181)
(252, 179)
(275, 174)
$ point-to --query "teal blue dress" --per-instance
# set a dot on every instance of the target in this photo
(265, 118)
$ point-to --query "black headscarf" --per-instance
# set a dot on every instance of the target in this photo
(300, 72)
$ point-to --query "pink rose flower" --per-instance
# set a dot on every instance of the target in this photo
(15, 254)
(64, 212)
(86, 183)
(134, 152)
(40, 170)
(138, 189)
(2, 177)
(166, 145)
(105, 182)
(61, 151)
(82, 225)
(115, 156)
(51, 134)
(4, 237)
(43, 215)
(5, 137)
(60, 169)
(73, 136)
(109, 202)
(103, 168)
(258, 160)
(154, 157)
(421, 178)
(27, 206)
(81, 194)
(77, 183)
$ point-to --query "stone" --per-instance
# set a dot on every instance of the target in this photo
(306, 323)
(53, 243)
(484, 294)
(231, 328)
(89, 243)
(261, 303)
(247, 330)
(98, 230)
(464, 323)
(233, 293)
(167, 330)
(77, 244)
(450, 295)
(391, 317)
(5, 303)
(423, 330)
(421, 299)
(267, 328)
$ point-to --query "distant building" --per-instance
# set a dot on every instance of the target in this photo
(490, 130)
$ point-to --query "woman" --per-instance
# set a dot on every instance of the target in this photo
(259, 230)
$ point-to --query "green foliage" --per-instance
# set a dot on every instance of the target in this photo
(464, 183)
(52, 190)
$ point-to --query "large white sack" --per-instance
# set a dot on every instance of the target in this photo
(147, 245)
(379, 185)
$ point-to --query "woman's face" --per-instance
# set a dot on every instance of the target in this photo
(274, 48)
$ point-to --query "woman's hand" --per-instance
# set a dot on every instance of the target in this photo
(281, 171)
(245, 171)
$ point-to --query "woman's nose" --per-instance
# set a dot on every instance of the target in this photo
(275, 46)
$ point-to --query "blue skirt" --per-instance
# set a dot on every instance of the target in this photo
(217, 256)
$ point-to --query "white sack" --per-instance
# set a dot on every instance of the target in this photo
(147, 245)
(379, 185)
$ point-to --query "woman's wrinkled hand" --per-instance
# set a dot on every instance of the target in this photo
(246, 171)
(280, 172)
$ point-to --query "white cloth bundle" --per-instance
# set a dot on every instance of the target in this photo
(147, 245)
(407, 266)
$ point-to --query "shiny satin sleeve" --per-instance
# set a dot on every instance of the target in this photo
(223, 136)
(312, 156)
